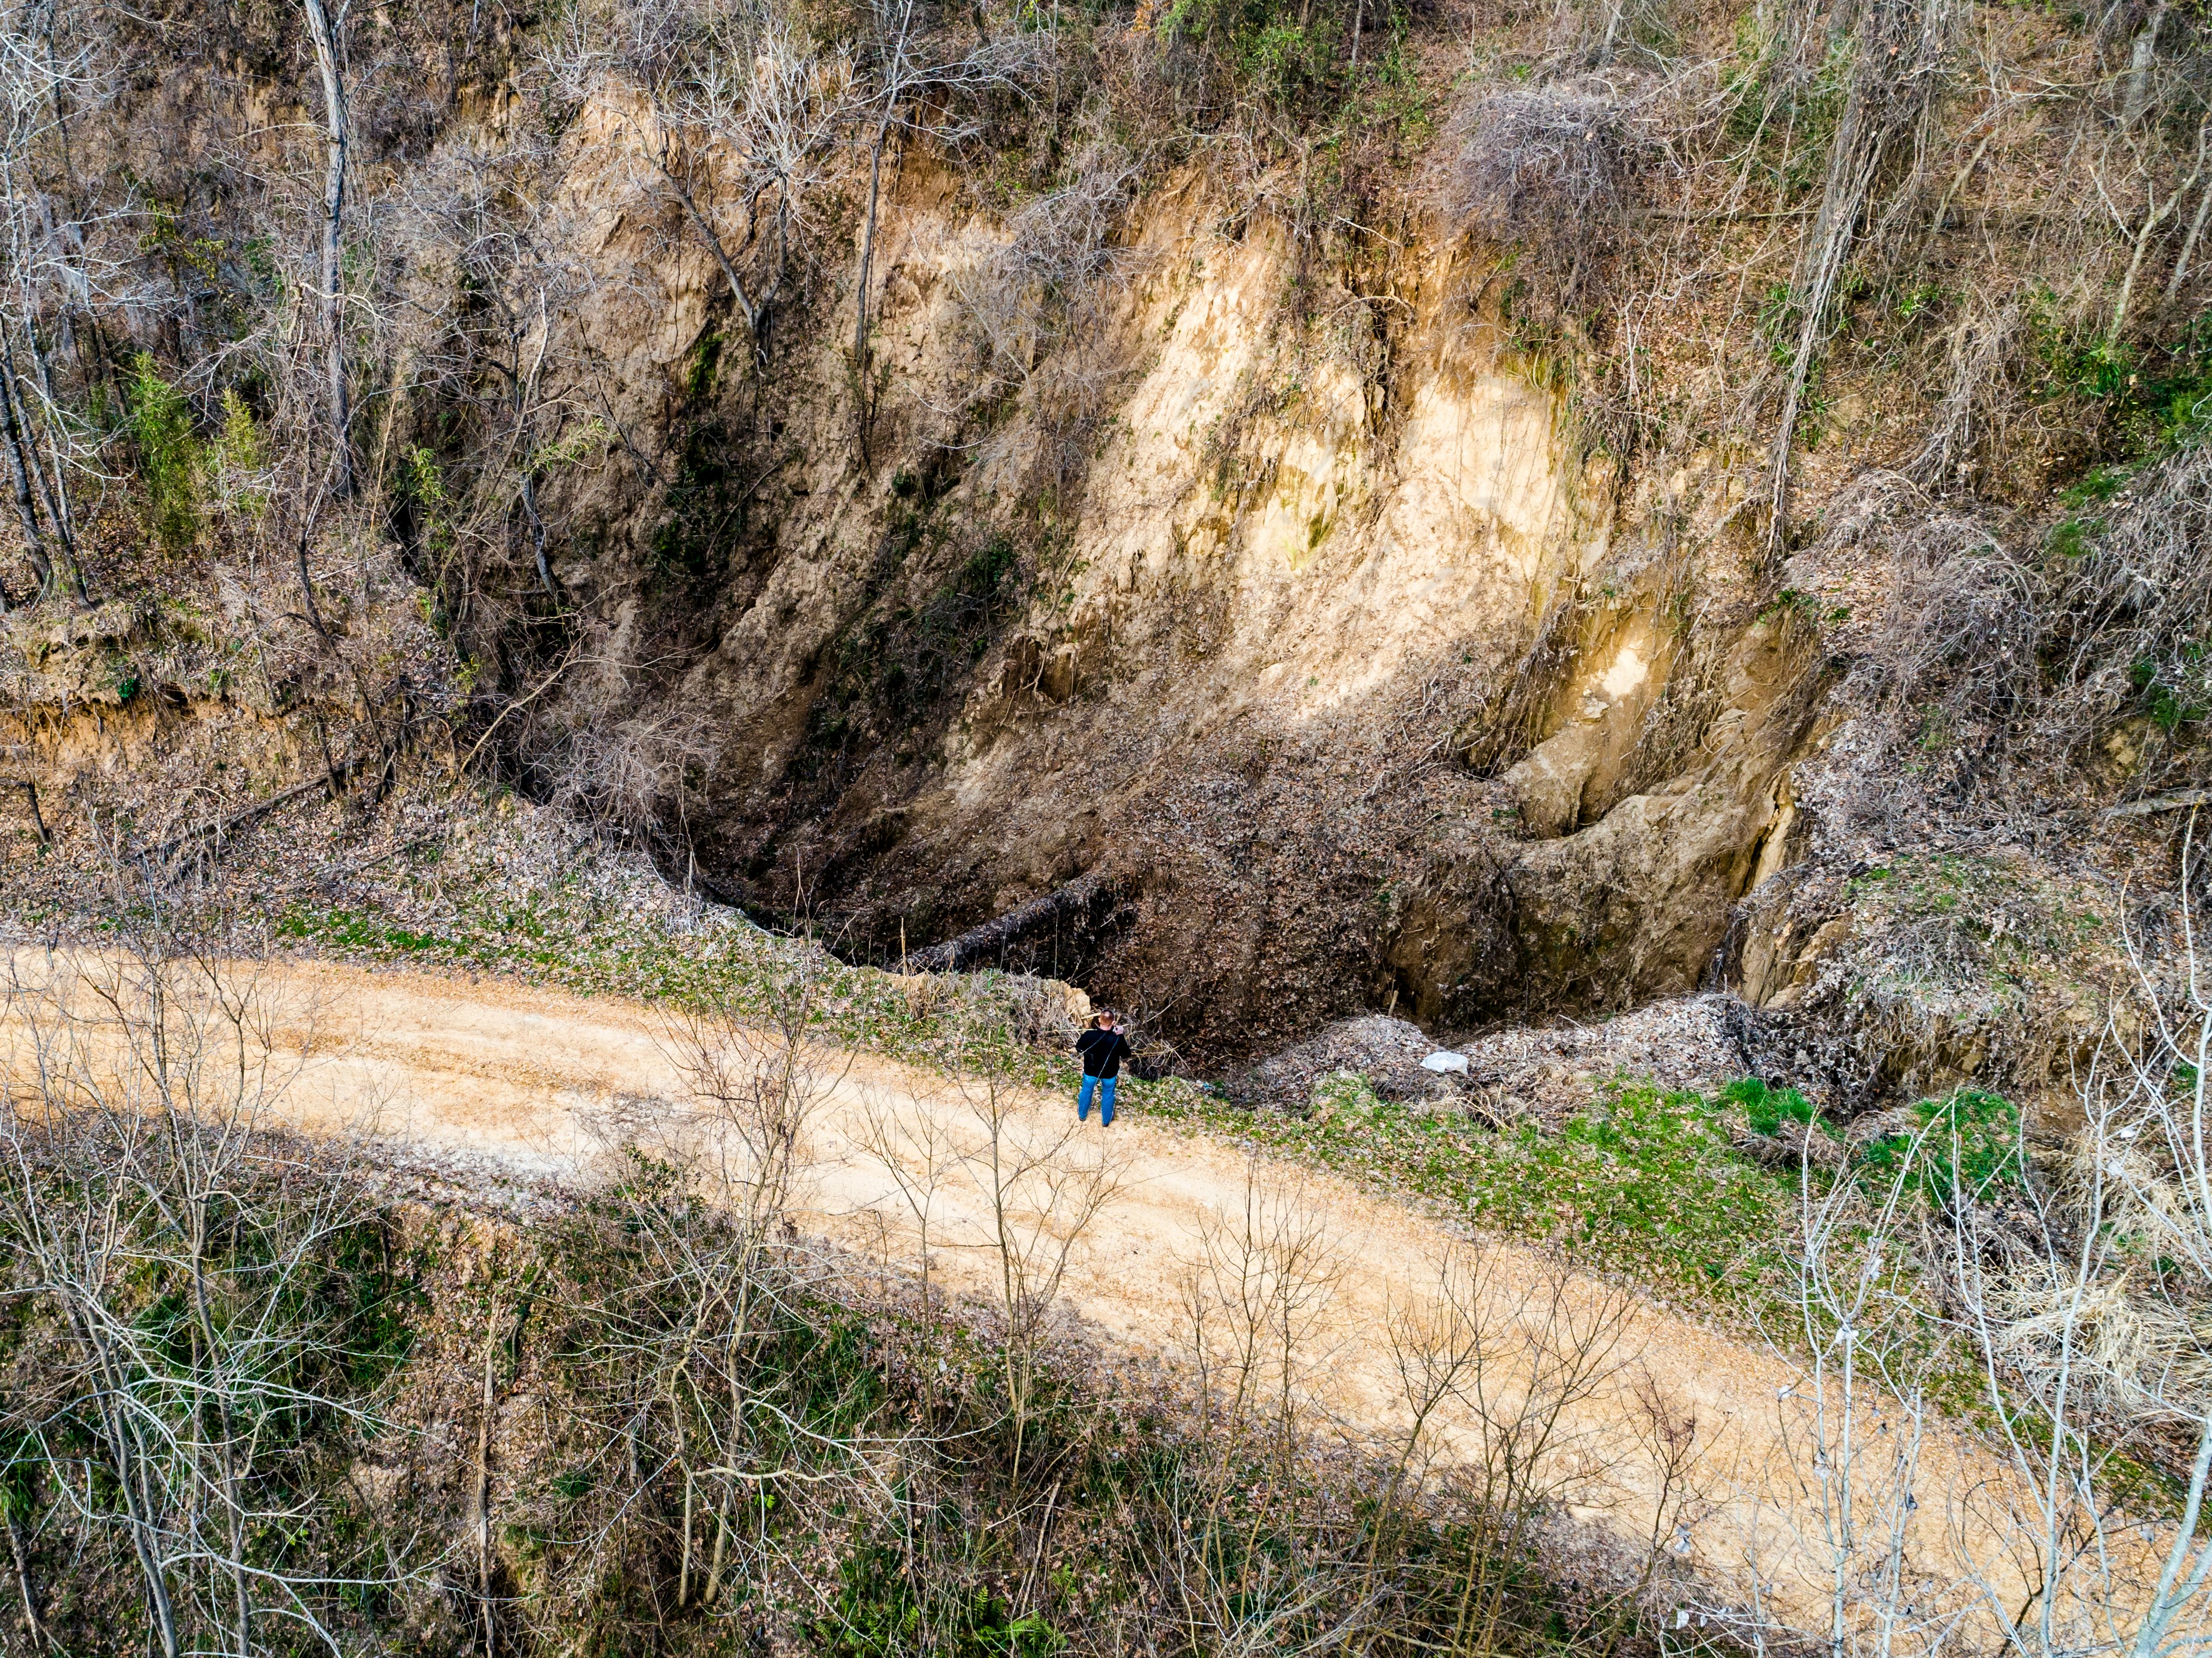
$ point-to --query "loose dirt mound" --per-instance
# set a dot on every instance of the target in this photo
(1689, 1042)
(1546, 1072)
(1386, 1052)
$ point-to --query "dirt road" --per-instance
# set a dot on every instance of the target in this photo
(544, 1084)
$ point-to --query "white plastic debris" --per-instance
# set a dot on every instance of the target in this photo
(1442, 1060)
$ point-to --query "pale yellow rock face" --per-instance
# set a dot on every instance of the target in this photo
(1234, 467)
(1571, 771)
(1339, 559)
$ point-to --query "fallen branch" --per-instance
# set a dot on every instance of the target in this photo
(38, 817)
(2169, 802)
(333, 779)
(1078, 896)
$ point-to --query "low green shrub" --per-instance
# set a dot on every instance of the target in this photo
(1766, 1108)
(168, 455)
(1966, 1149)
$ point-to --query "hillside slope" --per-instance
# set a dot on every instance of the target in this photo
(1140, 1227)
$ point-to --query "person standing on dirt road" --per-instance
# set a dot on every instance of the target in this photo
(1102, 1048)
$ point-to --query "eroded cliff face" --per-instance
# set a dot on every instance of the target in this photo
(1297, 617)
(1251, 627)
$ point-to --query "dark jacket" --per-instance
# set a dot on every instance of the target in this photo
(1101, 1051)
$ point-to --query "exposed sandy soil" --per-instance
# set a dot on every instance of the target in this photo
(539, 1084)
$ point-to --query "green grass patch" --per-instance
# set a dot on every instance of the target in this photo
(1964, 1149)
(1642, 1182)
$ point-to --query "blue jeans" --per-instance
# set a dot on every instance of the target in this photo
(1105, 1086)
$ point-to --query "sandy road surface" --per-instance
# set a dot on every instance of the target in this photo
(546, 1084)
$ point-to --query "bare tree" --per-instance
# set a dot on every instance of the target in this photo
(1897, 75)
(330, 63)
(2101, 1352)
(2155, 213)
(1038, 290)
(779, 110)
(45, 257)
(179, 1246)
(2071, 1302)
(711, 1209)
(919, 1151)
(918, 82)
(1044, 1185)
(502, 340)
(1255, 1297)
(742, 118)
(1529, 1352)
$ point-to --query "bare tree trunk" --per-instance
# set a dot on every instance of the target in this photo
(227, 1470)
(867, 259)
(484, 1482)
(868, 236)
(1079, 901)
(2137, 101)
(130, 1465)
(22, 1561)
(334, 112)
(2188, 245)
(57, 507)
(65, 514)
(1611, 33)
(2155, 218)
(307, 535)
(774, 285)
(34, 542)
(526, 400)
(26, 460)
(38, 817)
(745, 308)
(2151, 223)
(1853, 161)
(536, 531)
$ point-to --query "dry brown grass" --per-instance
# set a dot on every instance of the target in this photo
(1554, 168)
